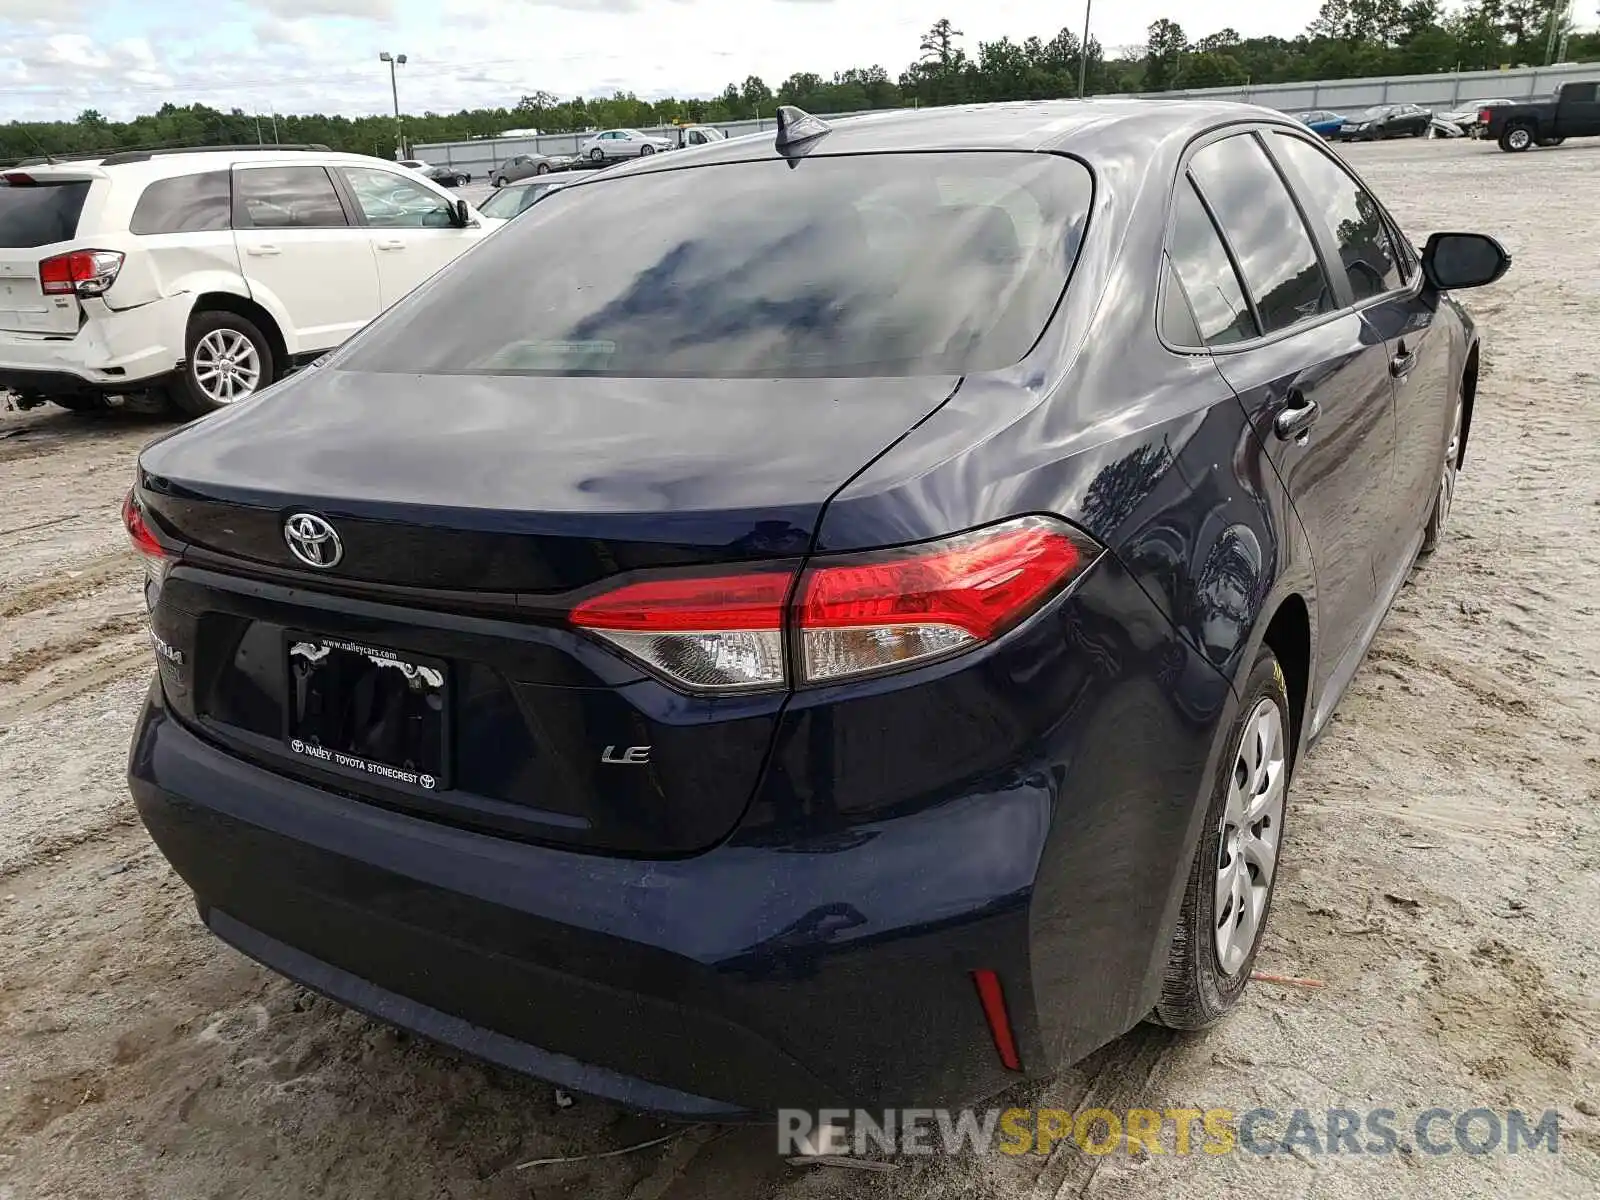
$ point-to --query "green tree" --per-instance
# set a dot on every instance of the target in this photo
(1164, 49)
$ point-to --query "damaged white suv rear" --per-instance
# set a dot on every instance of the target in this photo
(198, 277)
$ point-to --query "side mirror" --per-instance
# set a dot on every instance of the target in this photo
(460, 214)
(1463, 260)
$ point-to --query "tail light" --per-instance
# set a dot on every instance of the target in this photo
(80, 272)
(156, 557)
(851, 615)
(1483, 116)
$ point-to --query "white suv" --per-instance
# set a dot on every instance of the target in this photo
(205, 274)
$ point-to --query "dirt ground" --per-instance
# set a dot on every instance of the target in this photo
(1442, 877)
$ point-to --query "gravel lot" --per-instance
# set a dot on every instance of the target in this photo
(1443, 871)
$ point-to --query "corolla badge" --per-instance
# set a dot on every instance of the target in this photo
(313, 541)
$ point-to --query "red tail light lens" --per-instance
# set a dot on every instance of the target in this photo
(80, 272)
(892, 608)
(156, 557)
(855, 614)
(715, 633)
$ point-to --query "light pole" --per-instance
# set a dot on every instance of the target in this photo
(395, 60)
(1083, 51)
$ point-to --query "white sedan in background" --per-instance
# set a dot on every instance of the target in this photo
(621, 143)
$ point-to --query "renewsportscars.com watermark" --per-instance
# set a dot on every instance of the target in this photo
(1177, 1131)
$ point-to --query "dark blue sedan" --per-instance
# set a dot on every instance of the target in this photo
(847, 638)
(1321, 121)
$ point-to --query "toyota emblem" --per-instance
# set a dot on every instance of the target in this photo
(313, 541)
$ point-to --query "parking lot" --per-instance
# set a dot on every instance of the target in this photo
(1442, 873)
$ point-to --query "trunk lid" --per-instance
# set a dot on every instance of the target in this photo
(39, 214)
(469, 509)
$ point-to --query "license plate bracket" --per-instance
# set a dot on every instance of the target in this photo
(368, 711)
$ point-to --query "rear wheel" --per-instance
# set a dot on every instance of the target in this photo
(542, 169)
(1551, 143)
(228, 360)
(1234, 872)
(1516, 140)
(1433, 532)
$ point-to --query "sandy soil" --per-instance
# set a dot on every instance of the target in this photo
(1443, 875)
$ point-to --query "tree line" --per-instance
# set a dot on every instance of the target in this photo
(1348, 39)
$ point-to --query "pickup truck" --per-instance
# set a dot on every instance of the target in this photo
(1574, 111)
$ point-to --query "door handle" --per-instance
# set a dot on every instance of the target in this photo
(392, 244)
(1294, 423)
(262, 251)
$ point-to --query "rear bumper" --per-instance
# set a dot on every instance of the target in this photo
(113, 351)
(718, 986)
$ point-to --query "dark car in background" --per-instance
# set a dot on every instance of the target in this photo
(847, 639)
(1574, 111)
(515, 198)
(444, 176)
(1385, 121)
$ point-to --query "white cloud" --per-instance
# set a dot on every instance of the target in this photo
(376, 10)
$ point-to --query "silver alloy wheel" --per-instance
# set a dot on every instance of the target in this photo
(1452, 460)
(1519, 139)
(1252, 825)
(226, 366)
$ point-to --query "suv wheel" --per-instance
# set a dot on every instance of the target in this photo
(228, 359)
(1550, 143)
(1235, 869)
(1516, 140)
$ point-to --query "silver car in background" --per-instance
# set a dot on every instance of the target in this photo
(524, 165)
(621, 143)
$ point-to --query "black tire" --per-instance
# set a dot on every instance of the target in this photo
(1455, 446)
(1197, 992)
(1516, 139)
(646, 150)
(500, 181)
(542, 169)
(597, 155)
(186, 391)
(1420, 131)
(1550, 143)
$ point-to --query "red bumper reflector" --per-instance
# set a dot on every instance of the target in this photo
(994, 1011)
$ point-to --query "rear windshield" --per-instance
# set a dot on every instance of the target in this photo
(888, 264)
(36, 214)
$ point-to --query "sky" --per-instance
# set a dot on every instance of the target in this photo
(123, 57)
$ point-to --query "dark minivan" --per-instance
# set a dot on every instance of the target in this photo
(844, 637)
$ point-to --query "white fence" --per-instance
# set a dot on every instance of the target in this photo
(1445, 90)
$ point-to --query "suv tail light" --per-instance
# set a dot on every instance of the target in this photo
(851, 615)
(80, 272)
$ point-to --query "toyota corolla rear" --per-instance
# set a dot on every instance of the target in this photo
(505, 693)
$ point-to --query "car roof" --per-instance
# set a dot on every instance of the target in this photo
(165, 166)
(1081, 127)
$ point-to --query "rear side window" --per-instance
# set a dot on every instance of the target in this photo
(36, 214)
(1209, 279)
(1352, 216)
(1269, 239)
(885, 264)
(187, 204)
(286, 198)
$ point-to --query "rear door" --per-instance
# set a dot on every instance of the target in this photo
(303, 257)
(1385, 283)
(39, 213)
(1311, 374)
(410, 226)
(1578, 110)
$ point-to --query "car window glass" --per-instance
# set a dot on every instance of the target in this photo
(1177, 321)
(863, 265)
(1351, 214)
(186, 204)
(390, 202)
(287, 198)
(1275, 251)
(36, 214)
(1208, 278)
